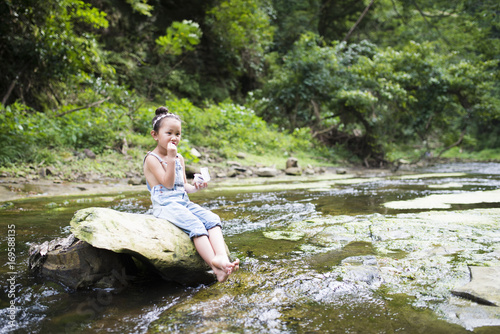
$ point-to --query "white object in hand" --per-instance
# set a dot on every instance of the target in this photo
(203, 177)
(205, 174)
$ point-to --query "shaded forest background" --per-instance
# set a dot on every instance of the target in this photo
(369, 81)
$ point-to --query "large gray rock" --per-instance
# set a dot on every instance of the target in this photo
(154, 241)
(292, 162)
(266, 172)
(293, 171)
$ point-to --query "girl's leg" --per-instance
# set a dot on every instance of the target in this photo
(219, 246)
(222, 269)
(211, 248)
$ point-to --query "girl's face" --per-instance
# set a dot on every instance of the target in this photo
(169, 132)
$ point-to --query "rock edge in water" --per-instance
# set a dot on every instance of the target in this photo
(484, 287)
(78, 265)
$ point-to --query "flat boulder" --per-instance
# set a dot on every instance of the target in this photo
(484, 287)
(155, 242)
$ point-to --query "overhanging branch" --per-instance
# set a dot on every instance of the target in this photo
(93, 104)
(358, 21)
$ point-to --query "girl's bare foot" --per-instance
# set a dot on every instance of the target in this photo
(220, 274)
(223, 268)
(236, 265)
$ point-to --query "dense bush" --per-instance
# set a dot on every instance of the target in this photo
(230, 128)
(28, 136)
(24, 132)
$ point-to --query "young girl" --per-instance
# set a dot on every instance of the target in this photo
(165, 174)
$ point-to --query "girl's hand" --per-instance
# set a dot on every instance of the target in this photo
(171, 150)
(199, 185)
(191, 188)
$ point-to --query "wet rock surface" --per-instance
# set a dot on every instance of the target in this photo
(314, 258)
(78, 265)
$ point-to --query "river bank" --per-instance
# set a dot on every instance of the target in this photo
(22, 187)
(87, 184)
(112, 172)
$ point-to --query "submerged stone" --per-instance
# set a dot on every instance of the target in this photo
(369, 275)
(284, 235)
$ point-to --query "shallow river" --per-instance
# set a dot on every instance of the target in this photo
(291, 280)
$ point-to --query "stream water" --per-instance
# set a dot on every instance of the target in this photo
(285, 284)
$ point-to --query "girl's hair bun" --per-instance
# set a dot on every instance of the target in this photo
(161, 113)
(161, 110)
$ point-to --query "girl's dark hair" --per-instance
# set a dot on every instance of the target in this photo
(161, 113)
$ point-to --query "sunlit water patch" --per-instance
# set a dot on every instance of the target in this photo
(479, 168)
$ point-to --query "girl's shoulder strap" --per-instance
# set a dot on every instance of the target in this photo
(157, 156)
(154, 155)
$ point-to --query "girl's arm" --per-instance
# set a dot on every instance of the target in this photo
(190, 188)
(163, 173)
(160, 173)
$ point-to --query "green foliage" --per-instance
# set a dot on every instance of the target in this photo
(419, 76)
(16, 143)
(243, 24)
(243, 32)
(331, 20)
(44, 43)
(26, 133)
(141, 6)
(87, 14)
(467, 26)
(180, 37)
(457, 153)
(95, 128)
(304, 75)
(231, 128)
(373, 96)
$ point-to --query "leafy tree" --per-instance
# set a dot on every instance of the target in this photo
(299, 83)
(336, 18)
(369, 98)
(46, 43)
(329, 19)
(141, 6)
(293, 18)
(421, 73)
(471, 28)
(243, 33)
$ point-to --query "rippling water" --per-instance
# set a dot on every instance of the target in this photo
(280, 288)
